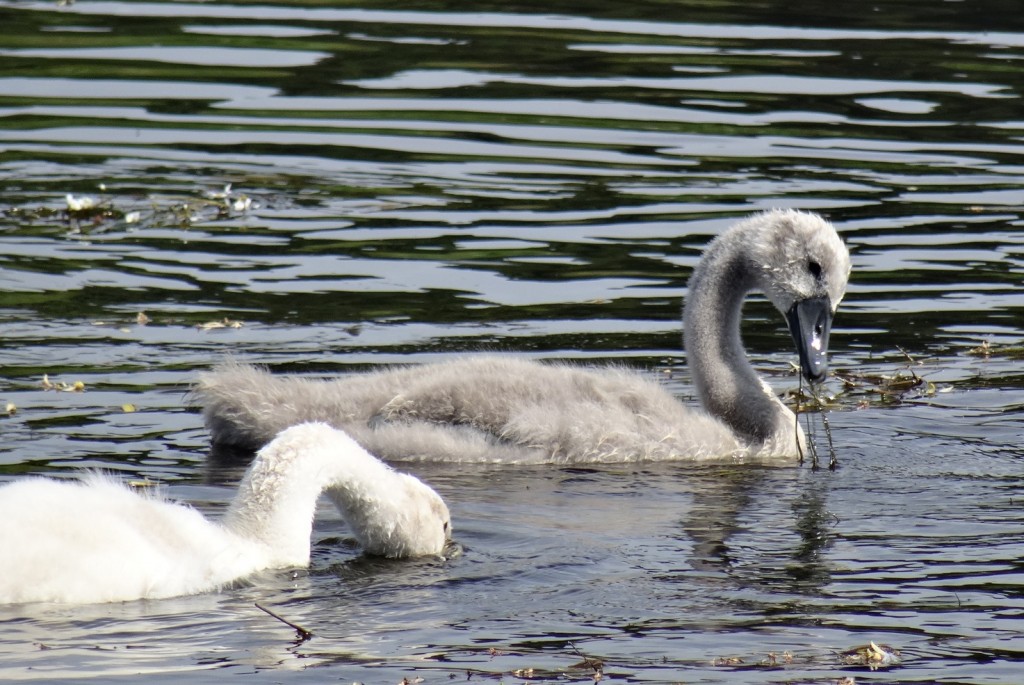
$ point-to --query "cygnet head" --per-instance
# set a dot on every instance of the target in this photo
(427, 527)
(803, 268)
(392, 514)
(396, 516)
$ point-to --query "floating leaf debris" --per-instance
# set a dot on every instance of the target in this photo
(79, 204)
(987, 350)
(872, 655)
(84, 213)
(223, 323)
(77, 386)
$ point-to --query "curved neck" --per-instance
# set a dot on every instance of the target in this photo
(275, 506)
(389, 512)
(378, 507)
(728, 386)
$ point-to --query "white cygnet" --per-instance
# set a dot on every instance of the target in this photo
(96, 540)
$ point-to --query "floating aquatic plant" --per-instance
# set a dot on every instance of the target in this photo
(872, 655)
(86, 213)
(987, 350)
(47, 384)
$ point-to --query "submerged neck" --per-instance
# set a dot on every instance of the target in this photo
(728, 386)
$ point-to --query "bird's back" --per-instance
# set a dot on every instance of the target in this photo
(96, 541)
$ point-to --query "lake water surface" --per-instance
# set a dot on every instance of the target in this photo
(413, 180)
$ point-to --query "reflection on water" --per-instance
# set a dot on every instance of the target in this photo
(369, 185)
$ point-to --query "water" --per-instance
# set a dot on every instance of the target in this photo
(409, 182)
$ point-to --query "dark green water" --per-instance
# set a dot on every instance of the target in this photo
(414, 180)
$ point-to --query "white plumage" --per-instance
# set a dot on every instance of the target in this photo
(505, 409)
(96, 540)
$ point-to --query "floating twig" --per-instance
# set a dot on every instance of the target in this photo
(910, 360)
(796, 417)
(302, 633)
(809, 432)
(820, 406)
(595, 664)
(832, 461)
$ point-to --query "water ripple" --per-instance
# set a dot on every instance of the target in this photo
(325, 189)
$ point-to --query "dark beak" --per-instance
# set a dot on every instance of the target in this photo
(809, 323)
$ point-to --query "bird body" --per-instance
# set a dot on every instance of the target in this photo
(96, 540)
(80, 541)
(485, 408)
(500, 408)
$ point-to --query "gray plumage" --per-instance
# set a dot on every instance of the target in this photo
(496, 408)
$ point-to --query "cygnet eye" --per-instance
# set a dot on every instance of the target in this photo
(814, 268)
